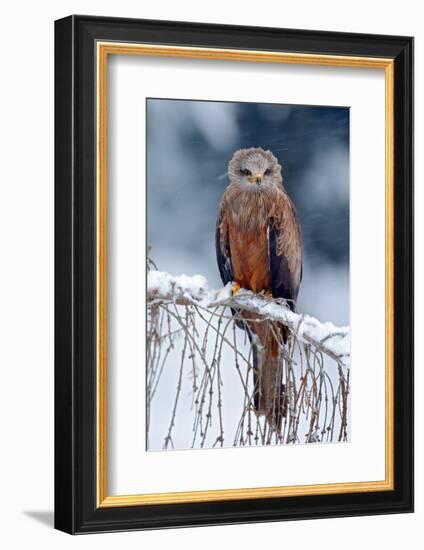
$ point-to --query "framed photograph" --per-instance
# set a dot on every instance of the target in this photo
(234, 274)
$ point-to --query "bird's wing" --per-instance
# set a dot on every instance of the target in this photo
(222, 245)
(285, 251)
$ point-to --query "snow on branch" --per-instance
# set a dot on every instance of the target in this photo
(192, 336)
(330, 339)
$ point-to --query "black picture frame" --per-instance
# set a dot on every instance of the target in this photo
(76, 510)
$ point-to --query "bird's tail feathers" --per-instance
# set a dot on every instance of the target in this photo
(269, 393)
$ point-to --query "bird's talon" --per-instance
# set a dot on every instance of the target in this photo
(268, 293)
(235, 288)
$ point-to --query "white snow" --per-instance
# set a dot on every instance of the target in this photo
(163, 285)
(331, 339)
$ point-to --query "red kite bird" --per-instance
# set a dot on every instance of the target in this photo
(258, 247)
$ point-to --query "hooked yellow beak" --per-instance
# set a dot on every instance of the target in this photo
(256, 179)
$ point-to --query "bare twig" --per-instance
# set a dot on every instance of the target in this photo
(186, 318)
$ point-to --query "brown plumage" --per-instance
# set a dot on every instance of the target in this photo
(258, 245)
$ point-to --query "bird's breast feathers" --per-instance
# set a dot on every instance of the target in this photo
(249, 256)
(250, 211)
(248, 217)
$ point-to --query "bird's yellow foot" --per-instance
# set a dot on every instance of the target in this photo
(268, 293)
(235, 288)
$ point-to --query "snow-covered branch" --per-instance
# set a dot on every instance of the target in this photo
(330, 339)
(192, 336)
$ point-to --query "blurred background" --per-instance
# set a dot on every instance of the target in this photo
(189, 145)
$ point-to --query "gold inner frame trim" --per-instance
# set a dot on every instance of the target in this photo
(103, 50)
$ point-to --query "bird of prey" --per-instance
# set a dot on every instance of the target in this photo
(259, 247)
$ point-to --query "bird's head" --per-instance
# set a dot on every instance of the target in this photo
(255, 169)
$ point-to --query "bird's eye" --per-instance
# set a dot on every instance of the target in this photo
(245, 172)
(267, 172)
